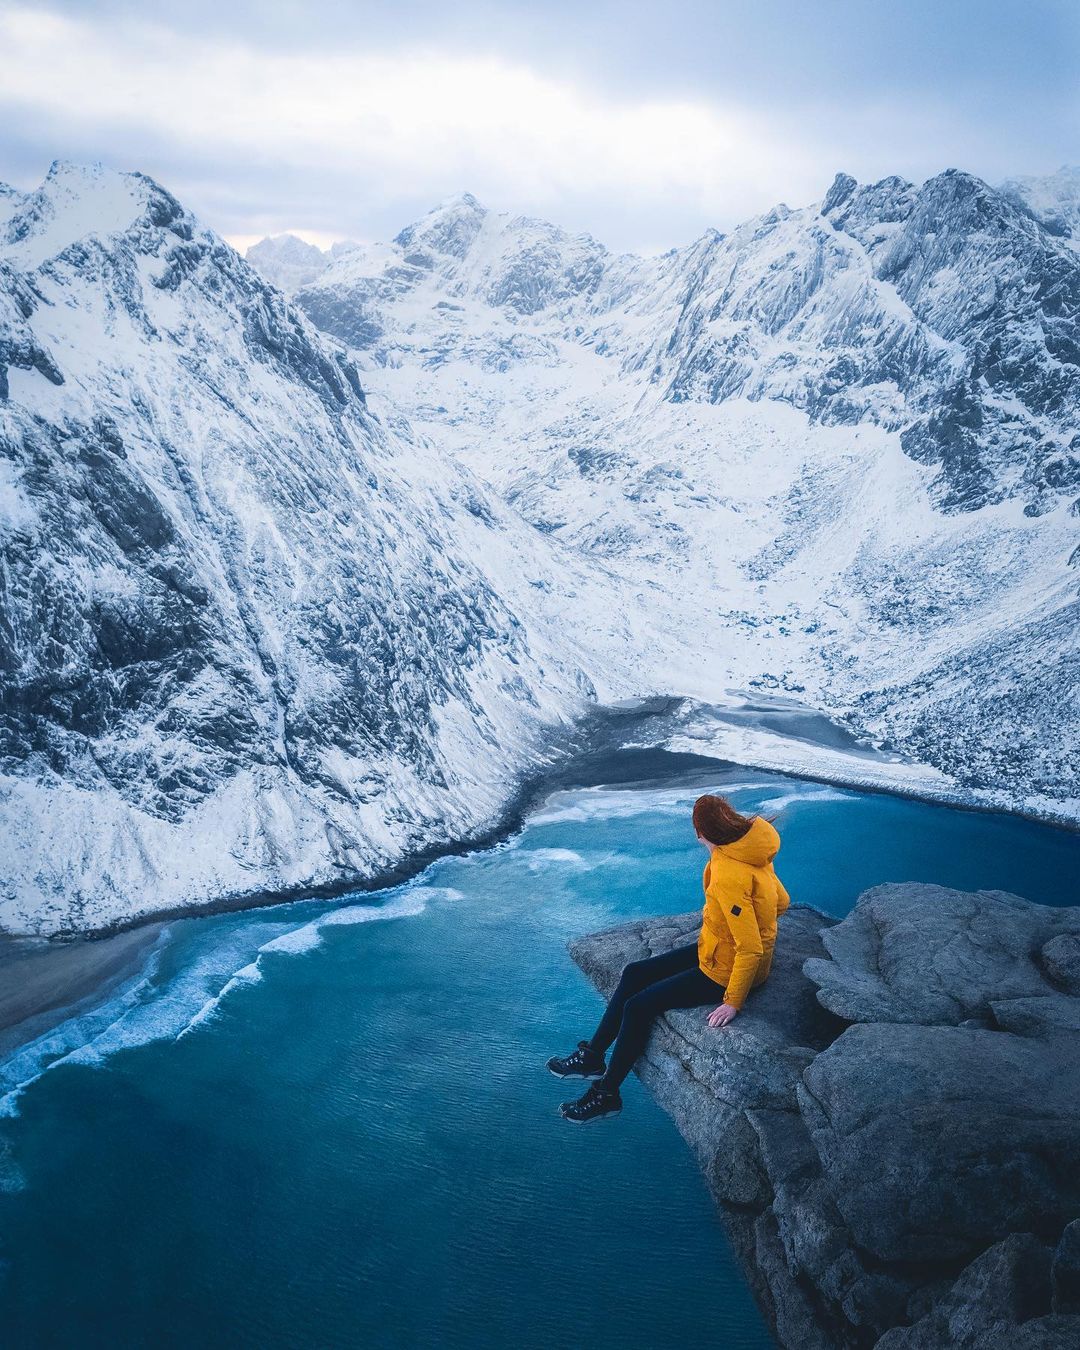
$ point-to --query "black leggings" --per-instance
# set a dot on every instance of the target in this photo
(645, 990)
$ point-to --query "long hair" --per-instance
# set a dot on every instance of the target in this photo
(716, 820)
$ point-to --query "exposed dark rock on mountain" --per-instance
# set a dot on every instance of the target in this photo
(277, 612)
(945, 312)
(851, 426)
(252, 637)
(1005, 296)
(891, 1127)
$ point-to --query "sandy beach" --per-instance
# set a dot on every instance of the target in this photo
(42, 980)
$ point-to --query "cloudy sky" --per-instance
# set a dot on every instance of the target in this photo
(642, 123)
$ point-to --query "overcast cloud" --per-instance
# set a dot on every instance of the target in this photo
(641, 124)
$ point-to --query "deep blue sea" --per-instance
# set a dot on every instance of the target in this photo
(321, 1125)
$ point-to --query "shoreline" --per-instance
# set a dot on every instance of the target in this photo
(57, 974)
(760, 747)
(43, 981)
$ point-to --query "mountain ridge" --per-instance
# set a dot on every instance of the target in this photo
(251, 632)
(283, 607)
(952, 390)
(937, 321)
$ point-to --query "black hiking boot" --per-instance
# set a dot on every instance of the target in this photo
(594, 1105)
(583, 1063)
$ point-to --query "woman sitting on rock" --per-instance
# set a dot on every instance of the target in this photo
(743, 897)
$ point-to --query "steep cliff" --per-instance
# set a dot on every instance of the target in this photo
(252, 636)
(891, 1127)
(846, 432)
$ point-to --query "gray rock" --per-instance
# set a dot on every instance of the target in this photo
(937, 956)
(1036, 1016)
(897, 1110)
(908, 1174)
(1065, 1271)
(1061, 961)
(999, 1294)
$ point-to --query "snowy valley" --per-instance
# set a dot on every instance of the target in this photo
(836, 450)
(293, 591)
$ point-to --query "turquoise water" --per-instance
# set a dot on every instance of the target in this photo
(356, 1143)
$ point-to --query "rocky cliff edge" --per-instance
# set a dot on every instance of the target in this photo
(891, 1127)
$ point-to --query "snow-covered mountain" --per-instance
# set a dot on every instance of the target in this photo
(1053, 198)
(280, 608)
(944, 312)
(837, 448)
(287, 262)
(252, 636)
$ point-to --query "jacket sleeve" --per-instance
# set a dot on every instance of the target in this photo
(742, 920)
(782, 897)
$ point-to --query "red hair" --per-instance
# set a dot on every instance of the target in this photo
(716, 820)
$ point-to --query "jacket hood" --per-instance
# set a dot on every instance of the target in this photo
(758, 846)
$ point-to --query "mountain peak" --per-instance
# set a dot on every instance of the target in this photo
(461, 199)
(959, 181)
(288, 247)
(448, 228)
(73, 201)
(843, 185)
(287, 261)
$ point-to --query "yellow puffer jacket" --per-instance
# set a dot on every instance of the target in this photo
(743, 897)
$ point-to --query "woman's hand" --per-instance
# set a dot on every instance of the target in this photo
(720, 1017)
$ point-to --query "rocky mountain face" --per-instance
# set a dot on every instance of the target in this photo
(890, 1127)
(1053, 199)
(252, 636)
(280, 608)
(943, 312)
(847, 433)
(287, 262)
(946, 311)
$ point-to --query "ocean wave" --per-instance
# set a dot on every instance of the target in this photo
(823, 794)
(585, 804)
(306, 937)
(28, 1062)
(212, 961)
(249, 974)
(537, 859)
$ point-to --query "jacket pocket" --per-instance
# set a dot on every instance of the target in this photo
(708, 948)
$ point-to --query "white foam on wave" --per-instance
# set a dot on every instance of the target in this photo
(28, 1062)
(593, 803)
(537, 859)
(225, 955)
(249, 974)
(306, 937)
(413, 900)
(823, 794)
